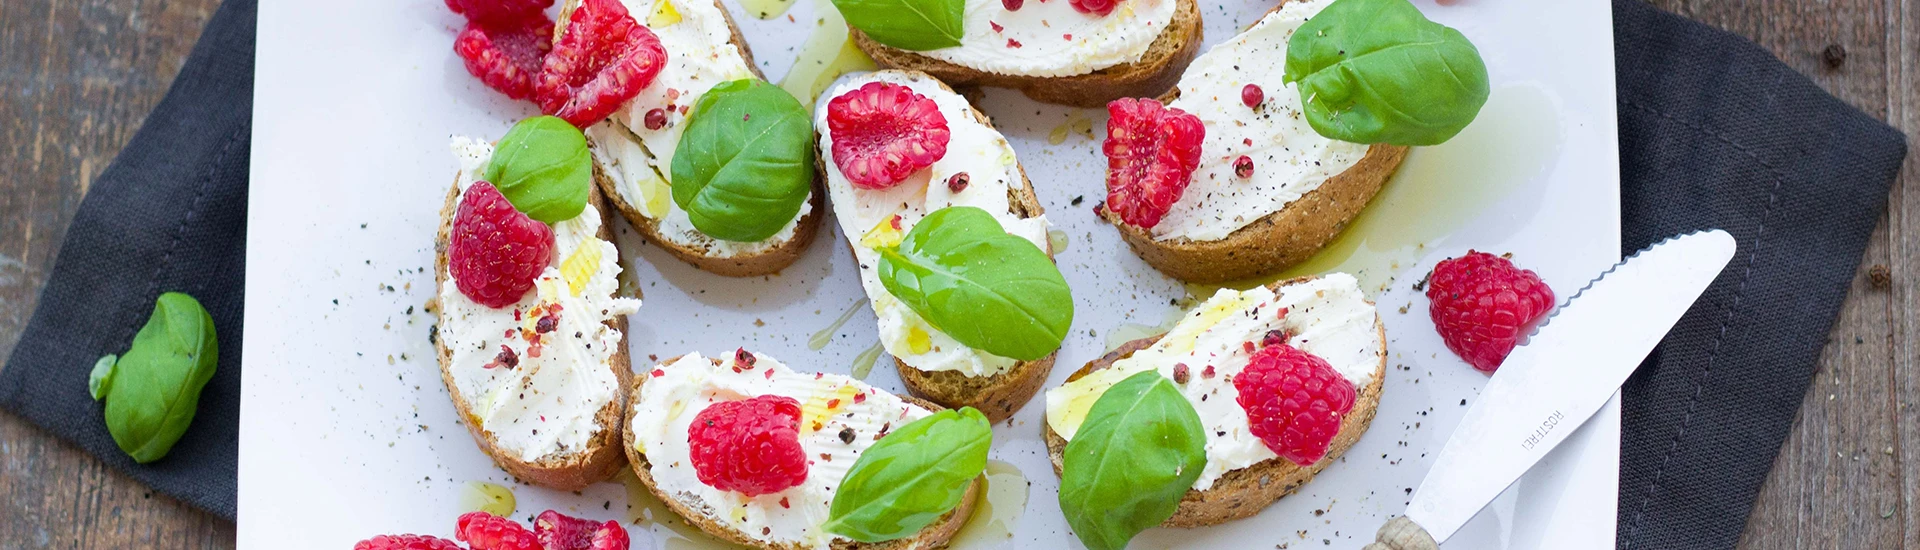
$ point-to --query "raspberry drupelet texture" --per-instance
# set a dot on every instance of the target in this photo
(1152, 152)
(1482, 304)
(1294, 401)
(751, 446)
(557, 531)
(1095, 7)
(499, 11)
(506, 54)
(484, 531)
(604, 59)
(884, 132)
(495, 252)
(406, 542)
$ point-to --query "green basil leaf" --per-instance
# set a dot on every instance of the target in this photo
(543, 168)
(1139, 450)
(102, 376)
(745, 161)
(1377, 71)
(911, 477)
(917, 25)
(156, 384)
(992, 291)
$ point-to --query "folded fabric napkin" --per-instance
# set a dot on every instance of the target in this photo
(1714, 132)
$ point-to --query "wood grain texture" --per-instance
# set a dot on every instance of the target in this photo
(77, 77)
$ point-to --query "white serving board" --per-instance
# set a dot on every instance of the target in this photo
(347, 430)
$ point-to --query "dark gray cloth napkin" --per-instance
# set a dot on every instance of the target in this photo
(1714, 132)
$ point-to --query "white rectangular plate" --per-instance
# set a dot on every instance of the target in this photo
(348, 432)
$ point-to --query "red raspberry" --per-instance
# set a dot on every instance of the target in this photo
(484, 531)
(751, 446)
(1152, 152)
(499, 11)
(1482, 304)
(406, 542)
(884, 132)
(1294, 401)
(1096, 7)
(603, 59)
(558, 531)
(496, 251)
(506, 55)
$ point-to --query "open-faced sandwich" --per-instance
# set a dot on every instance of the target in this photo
(950, 240)
(531, 336)
(1071, 52)
(1241, 403)
(1244, 168)
(742, 201)
(758, 454)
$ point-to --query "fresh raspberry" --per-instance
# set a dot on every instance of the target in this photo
(1152, 152)
(406, 542)
(496, 251)
(484, 531)
(1482, 304)
(558, 531)
(506, 55)
(1096, 7)
(1294, 401)
(499, 11)
(751, 446)
(603, 59)
(884, 132)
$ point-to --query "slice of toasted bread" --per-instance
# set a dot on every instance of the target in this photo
(935, 535)
(1276, 241)
(998, 395)
(569, 472)
(1246, 491)
(1153, 74)
(765, 261)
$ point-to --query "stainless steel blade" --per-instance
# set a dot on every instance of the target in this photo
(1569, 368)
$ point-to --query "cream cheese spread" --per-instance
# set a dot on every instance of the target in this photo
(1049, 38)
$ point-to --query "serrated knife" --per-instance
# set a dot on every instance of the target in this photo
(1552, 384)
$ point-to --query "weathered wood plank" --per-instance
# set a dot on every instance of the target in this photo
(1903, 93)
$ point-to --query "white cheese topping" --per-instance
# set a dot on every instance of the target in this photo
(700, 55)
(546, 405)
(1048, 38)
(992, 170)
(1328, 317)
(671, 395)
(1289, 158)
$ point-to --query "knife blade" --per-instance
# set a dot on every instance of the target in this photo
(1571, 365)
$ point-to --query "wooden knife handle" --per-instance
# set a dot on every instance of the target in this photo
(1402, 534)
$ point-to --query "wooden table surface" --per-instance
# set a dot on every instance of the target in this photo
(78, 76)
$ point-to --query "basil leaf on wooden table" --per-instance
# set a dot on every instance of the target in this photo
(995, 292)
(1136, 454)
(745, 162)
(917, 25)
(543, 168)
(153, 390)
(1377, 71)
(911, 477)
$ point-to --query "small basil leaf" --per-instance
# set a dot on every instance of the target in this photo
(911, 477)
(746, 161)
(1139, 450)
(1377, 71)
(543, 168)
(992, 291)
(102, 376)
(917, 25)
(157, 382)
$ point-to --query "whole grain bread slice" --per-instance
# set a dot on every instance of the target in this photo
(568, 472)
(763, 262)
(1276, 241)
(935, 535)
(997, 395)
(1246, 491)
(1156, 71)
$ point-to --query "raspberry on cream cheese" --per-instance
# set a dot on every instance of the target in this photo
(1053, 38)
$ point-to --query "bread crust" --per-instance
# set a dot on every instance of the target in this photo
(1244, 492)
(935, 535)
(1156, 71)
(602, 459)
(764, 262)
